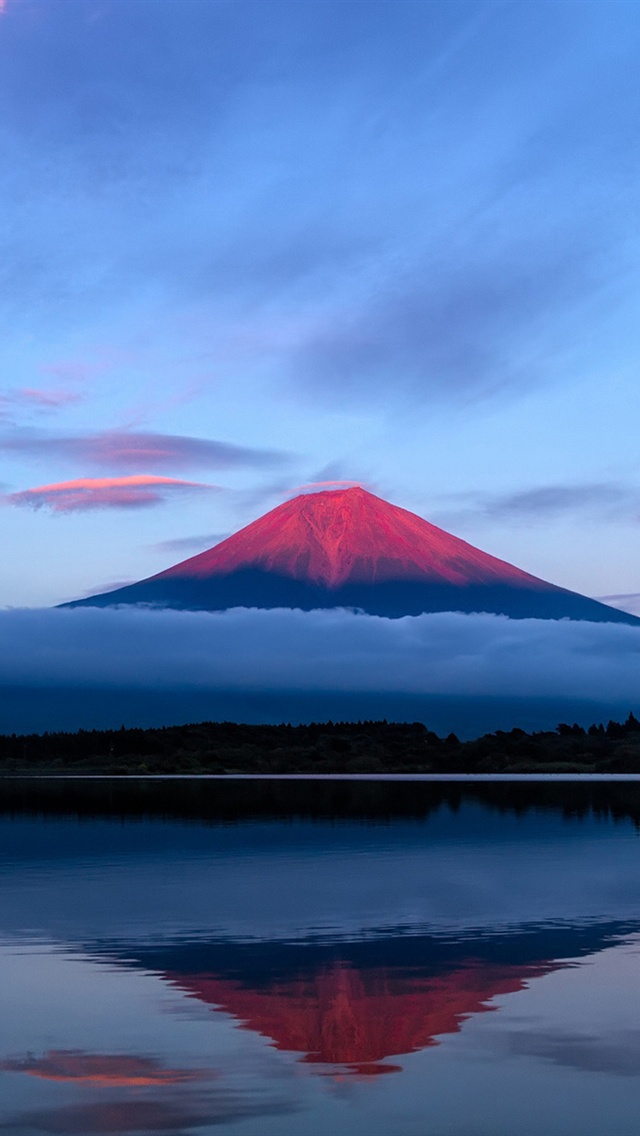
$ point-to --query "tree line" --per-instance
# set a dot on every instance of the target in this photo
(323, 747)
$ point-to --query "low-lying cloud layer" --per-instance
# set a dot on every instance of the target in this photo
(443, 653)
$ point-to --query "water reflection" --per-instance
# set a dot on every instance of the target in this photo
(163, 976)
(352, 1005)
(114, 1070)
(99, 1118)
(354, 1019)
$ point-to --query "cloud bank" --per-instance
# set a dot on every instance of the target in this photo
(444, 653)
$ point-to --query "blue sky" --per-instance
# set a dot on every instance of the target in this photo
(252, 246)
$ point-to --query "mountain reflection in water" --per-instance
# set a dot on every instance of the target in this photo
(163, 970)
(355, 1004)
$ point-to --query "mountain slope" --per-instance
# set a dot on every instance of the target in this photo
(349, 548)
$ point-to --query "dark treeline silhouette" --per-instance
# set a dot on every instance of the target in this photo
(327, 747)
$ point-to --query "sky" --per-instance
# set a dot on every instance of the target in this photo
(253, 246)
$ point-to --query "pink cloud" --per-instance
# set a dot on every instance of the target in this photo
(311, 486)
(130, 449)
(84, 493)
(46, 398)
(98, 361)
(37, 398)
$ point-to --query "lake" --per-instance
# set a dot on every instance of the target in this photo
(319, 958)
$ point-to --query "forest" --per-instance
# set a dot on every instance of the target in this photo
(368, 747)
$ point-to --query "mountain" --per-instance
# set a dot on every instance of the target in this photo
(349, 548)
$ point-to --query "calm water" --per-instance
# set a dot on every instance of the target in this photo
(395, 960)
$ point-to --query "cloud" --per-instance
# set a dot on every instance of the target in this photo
(85, 493)
(244, 650)
(555, 499)
(628, 601)
(106, 586)
(128, 450)
(542, 503)
(438, 154)
(443, 331)
(47, 398)
(82, 370)
(183, 544)
(36, 398)
(313, 486)
(114, 1070)
(428, 221)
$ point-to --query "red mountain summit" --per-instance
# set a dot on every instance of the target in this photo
(349, 548)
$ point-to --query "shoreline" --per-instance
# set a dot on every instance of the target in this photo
(522, 778)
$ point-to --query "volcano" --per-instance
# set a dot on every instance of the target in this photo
(350, 549)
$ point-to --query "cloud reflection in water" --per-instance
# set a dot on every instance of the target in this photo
(177, 1116)
(108, 1069)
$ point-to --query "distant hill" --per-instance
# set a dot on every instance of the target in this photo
(349, 548)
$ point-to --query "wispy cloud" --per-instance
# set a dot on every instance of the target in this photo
(84, 493)
(442, 187)
(48, 398)
(542, 503)
(627, 601)
(549, 499)
(128, 450)
(185, 544)
(106, 586)
(93, 365)
(36, 398)
(313, 486)
(445, 329)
